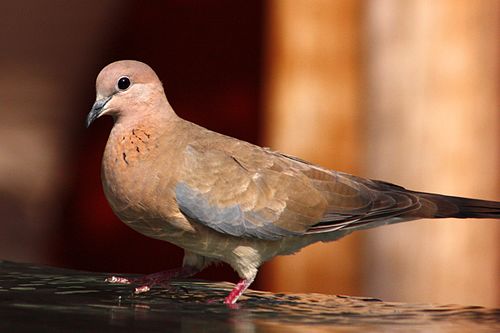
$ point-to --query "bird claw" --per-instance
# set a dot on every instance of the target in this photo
(146, 282)
(141, 289)
(122, 280)
(118, 280)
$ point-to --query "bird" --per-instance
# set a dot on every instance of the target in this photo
(226, 200)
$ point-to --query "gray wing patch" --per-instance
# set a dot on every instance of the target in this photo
(231, 220)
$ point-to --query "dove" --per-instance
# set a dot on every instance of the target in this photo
(225, 200)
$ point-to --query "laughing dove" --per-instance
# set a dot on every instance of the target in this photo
(222, 199)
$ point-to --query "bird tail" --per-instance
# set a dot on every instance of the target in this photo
(442, 206)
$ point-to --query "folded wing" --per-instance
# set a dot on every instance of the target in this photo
(250, 192)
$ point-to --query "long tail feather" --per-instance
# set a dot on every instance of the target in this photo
(441, 206)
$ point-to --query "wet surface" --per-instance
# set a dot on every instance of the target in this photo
(43, 299)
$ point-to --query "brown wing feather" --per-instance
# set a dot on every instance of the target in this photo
(248, 191)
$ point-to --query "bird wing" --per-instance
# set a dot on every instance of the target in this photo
(355, 202)
(247, 191)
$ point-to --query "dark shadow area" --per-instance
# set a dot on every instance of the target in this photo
(208, 56)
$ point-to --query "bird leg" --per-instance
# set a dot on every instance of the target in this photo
(237, 291)
(162, 278)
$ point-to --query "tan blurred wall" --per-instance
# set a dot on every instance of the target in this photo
(312, 111)
(434, 125)
(401, 91)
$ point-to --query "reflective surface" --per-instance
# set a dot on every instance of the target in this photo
(35, 298)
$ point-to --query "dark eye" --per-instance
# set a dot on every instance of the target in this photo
(123, 83)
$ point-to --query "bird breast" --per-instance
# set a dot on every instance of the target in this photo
(128, 179)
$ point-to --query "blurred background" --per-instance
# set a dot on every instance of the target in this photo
(404, 91)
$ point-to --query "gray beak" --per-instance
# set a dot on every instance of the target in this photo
(96, 110)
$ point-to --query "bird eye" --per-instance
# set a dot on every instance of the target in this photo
(123, 83)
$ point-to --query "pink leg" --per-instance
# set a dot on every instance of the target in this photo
(162, 278)
(237, 291)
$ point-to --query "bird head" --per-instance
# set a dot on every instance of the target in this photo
(126, 89)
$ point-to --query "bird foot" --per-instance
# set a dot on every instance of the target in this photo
(163, 279)
(237, 291)
(117, 280)
(147, 282)
(137, 290)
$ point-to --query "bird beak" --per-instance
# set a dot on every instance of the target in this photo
(97, 110)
